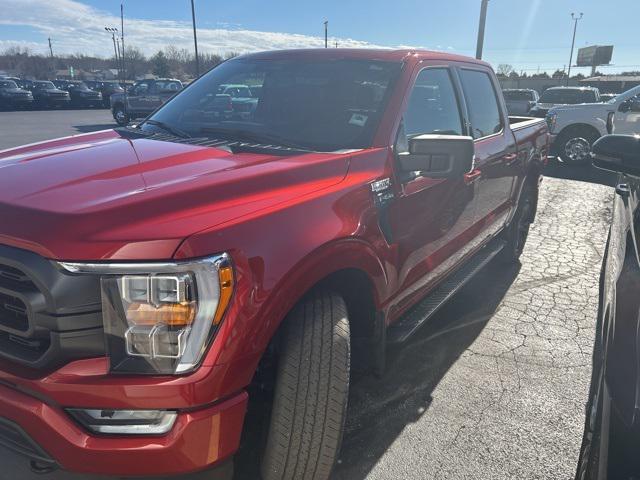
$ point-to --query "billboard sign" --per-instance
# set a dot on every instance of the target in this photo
(594, 56)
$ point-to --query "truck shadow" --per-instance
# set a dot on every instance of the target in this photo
(380, 409)
(583, 173)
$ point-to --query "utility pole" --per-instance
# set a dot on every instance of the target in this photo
(481, 25)
(122, 58)
(326, 33)
(195, 38)
(336, 44)
(575, 19)
(50, 47)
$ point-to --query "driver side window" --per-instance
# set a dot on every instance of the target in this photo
(432, 106)
(140, 88)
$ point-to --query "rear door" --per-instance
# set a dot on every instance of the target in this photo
(496, 164)
(431, 219)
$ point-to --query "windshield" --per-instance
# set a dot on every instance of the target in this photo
(517, 95)
(7, 84)
(78, 86)
(44, 85)
(321, 105)
(568, 96)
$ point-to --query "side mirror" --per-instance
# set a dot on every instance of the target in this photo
(438, 156)
(618, 153)
(625, 106)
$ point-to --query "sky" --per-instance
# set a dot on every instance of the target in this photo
(527, 34)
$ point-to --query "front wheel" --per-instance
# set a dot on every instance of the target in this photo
(574, 146)
(311, 391)
(120, 115)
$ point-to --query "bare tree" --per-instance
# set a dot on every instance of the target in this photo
(504, 70)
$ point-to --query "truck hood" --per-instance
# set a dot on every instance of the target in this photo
(102, 196)
(583, 107)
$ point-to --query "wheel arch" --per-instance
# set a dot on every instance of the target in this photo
(579, 127)
(349, 268)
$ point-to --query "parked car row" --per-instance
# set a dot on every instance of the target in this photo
(229, 101)
(16, 93)
(578, 116)
(527, 101)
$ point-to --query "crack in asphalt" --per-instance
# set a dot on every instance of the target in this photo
(505, 367)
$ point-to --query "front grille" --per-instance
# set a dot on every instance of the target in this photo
(13, 313)
(16, 440)
(13, 274)
(47, 317)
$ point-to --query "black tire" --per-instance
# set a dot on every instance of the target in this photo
(311, 391)
(574, 145)
(516, 233)
(120, 115)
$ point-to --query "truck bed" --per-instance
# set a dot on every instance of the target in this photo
(518, 122)
(531, 134)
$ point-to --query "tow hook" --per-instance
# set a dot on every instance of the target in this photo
(623, 190)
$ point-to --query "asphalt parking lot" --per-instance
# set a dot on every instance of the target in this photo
(495, 386)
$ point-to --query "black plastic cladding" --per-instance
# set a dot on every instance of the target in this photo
(63, 312)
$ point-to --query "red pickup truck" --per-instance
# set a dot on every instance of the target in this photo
(151, 276)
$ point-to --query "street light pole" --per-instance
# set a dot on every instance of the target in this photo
(575, 19)
(116, 48)
(326, 34)
(195, 38)
(481, 25)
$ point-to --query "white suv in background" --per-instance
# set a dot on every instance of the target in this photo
(574, 128)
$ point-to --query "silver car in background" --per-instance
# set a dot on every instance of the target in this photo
(520, 100)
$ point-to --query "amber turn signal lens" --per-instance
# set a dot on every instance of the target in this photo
(225, 274)
(173, 315)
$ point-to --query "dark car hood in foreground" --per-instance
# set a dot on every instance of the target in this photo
(100, 196)
(14, 91)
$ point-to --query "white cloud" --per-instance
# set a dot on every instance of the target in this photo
(78, 28)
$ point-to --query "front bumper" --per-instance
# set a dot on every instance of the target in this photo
(201, 437)
(16, 101)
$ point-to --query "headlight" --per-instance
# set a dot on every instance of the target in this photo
(551, 121)
(159, 318)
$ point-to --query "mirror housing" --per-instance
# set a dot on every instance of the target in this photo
(618, 153)
(438, 156)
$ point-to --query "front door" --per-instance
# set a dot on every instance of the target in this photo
(431, 219)
(627, 117)
(136, 98)
(495, 149)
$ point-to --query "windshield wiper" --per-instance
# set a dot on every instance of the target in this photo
(172, 130)
(260, 138)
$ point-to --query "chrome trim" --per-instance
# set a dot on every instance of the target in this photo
(143, 268)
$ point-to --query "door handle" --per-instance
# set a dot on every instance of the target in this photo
(472, 176)
(511, 158)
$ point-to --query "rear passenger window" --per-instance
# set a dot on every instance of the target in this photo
(432, 106)
(482, 103)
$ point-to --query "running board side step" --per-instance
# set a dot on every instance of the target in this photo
(411, 321)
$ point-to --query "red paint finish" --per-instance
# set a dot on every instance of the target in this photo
(287, 223)
(199, 438)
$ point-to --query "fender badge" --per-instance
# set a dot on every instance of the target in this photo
(381, 185)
